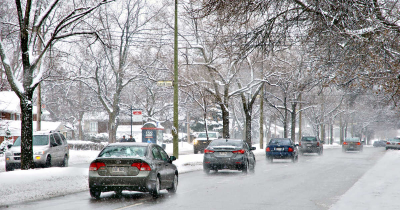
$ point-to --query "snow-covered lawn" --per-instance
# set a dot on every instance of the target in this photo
(378, 187)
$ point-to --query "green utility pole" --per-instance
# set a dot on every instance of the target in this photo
(175, 129)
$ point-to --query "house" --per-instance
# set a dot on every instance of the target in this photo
(10, 121)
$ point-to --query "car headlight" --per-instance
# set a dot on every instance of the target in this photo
(39, 153)
(195, 141)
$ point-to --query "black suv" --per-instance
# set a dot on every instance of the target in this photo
(311, 144)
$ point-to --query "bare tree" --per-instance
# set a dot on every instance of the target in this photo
(27, 30)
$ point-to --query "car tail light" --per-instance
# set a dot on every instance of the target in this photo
(96, 166)
(207, 151)
(398, 143)
(142, 166)
(239, 151)
(290, 149)
(268, 149)
(299, 143)
(358, 143)
(344, 143)
(387, 142)
(317, 144)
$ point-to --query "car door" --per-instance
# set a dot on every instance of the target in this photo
(59, 148)
(168, 167)
(250, 155)
(159, 164)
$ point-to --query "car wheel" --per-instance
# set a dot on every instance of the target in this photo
(174, 186)
(65, 162)
(118, 192)
(253, 168)
(9, 168)
(95, 193)
(245, 167)
(156, 191)
(206, 170)
(48, 162)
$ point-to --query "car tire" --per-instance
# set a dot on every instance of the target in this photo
(320, 152)
(253, 169)
(95, 193)
(174, 186)
(65, 161)
(245, 167)
(9, 168)
(156, 191)
(48, 162)
(206, 170)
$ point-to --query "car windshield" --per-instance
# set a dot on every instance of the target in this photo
(210, 135)
(280, 142)
(309, 139)
(38, 140)
(355, 139)
(225, 143)
(124, 151)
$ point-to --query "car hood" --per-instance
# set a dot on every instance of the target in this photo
(35, 148)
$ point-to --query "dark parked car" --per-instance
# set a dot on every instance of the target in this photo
(144, 167)
(311, 144)
(282, 148)
(201, 141)
(380, 143)
(352, 144)
(230, 154)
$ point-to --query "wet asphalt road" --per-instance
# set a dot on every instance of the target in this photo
(315, 182)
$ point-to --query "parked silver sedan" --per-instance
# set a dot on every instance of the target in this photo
(144, 167)
(393, 143)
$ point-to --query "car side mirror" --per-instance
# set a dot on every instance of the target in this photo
(9, 146)
(253, 148)
(172, 158)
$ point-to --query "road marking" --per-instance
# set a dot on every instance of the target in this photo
(129, 206)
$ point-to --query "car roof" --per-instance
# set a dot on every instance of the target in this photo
(129, 144)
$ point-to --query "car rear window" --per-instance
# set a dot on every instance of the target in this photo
(123, 151)
(226, 143)
(353, 139)
(309, 139)
(280, 142)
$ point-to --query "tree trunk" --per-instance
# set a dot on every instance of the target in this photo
(285, 129)
(248, 127)
(293, 122)
(225, 122)
(26, 131)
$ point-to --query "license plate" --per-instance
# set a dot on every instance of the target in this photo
(309, 145)
(118, 169)
(278, 149)
(223, 153)
(351, 147)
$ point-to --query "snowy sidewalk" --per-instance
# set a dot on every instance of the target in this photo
(378, 189)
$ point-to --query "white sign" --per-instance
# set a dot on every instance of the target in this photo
(137, 116)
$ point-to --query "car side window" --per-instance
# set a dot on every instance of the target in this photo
(164, 155)
(245, 146)
(156, 153)
(52, 140)
(63, 139)
(58, 139)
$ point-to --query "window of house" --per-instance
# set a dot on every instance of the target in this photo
(93, 126)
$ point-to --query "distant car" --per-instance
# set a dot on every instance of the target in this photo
(310, 144)
(229, 154)
(143, 167)
(352, 144)
(201, 141)
(282, 148)
(380, 143)
(49, 149)
(393, 143)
